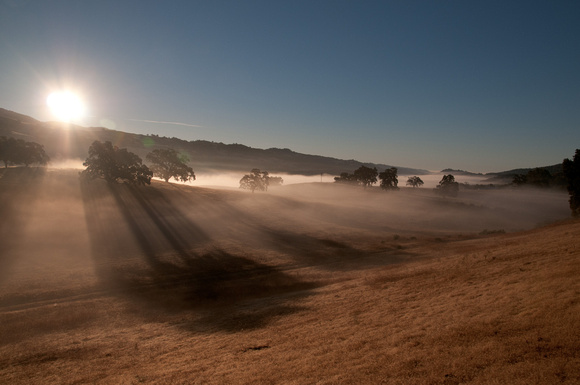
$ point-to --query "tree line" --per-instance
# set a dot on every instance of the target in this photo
(259, 180)
(572, 173)
(366, 177)
(540, 177)
(20, 152)
(114, 164)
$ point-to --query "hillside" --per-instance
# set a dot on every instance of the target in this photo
(62, 141)
(507, 176)
(502, 177)
(314, 283)
(460, 172)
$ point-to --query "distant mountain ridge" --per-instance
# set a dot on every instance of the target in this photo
(460, 172)
(507, 176)
(554, 169)
(64, 141)
(503, 176)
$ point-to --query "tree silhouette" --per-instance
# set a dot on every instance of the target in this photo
(33, 153)
(572, 174)
(114, 164)
(17, 151)
(539, 177)
(389, 180)
(366, 176)
(448, 185)
(9, 150)
(255, 180)
(345, 178)
(167, 164)
(519, 179)
(415, 181)
(275, 181)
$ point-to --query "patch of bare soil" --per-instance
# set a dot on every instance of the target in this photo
(172, 284)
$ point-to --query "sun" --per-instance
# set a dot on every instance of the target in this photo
(65, 105)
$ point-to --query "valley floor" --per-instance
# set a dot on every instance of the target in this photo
(174, 284)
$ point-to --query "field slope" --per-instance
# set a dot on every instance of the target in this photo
(306, 284)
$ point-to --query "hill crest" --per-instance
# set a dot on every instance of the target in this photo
(63, 141)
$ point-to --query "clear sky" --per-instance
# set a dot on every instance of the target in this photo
(476, 85)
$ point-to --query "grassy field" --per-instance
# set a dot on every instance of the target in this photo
(313, 283)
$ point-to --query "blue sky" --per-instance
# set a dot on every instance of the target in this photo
(483, 86)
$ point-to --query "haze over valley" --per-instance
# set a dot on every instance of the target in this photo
(289, 192)
(104, 278)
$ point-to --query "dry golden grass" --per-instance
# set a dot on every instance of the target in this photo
(175, 285)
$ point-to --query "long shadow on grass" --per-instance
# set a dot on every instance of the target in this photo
(257, 231)
(19, 188)
(327, 253)
(126, 221)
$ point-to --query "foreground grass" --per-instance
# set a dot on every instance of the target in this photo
(473, 309)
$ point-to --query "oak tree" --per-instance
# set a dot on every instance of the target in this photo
(366, 176)
(168, 163)
(255, 180)
(448, 186)
(17, 151)
(572, 174)
(415, 181)
(389, 180)
(114, 164)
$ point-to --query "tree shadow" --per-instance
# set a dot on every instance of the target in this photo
(148, 248)
(327, 253)
(19, 189)
(286, 235)
(269, 226)
(221, 286)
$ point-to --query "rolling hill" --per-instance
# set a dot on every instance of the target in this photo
(63, 141)
(307, 284)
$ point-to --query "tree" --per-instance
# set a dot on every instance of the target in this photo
(345, 178)
(255, 180)
(520, 179)
(167, 164)
(114, 164)
(389, 180)
(366, 176)
(415, 181)
(448, 185)
(539, 177)
(17, 151)
(363, 175)
(9, 150)
(34, 153)
(275, 181)
(572, 174)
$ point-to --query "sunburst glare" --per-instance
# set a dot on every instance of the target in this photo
(66, 106)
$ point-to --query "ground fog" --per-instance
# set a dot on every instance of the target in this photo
(306, 283)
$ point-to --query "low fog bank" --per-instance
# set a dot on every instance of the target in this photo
(55, 225)
(424, 210)
(314, 203)
(232, 179)
(311, 205)
(432, 180)
(75, 164)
